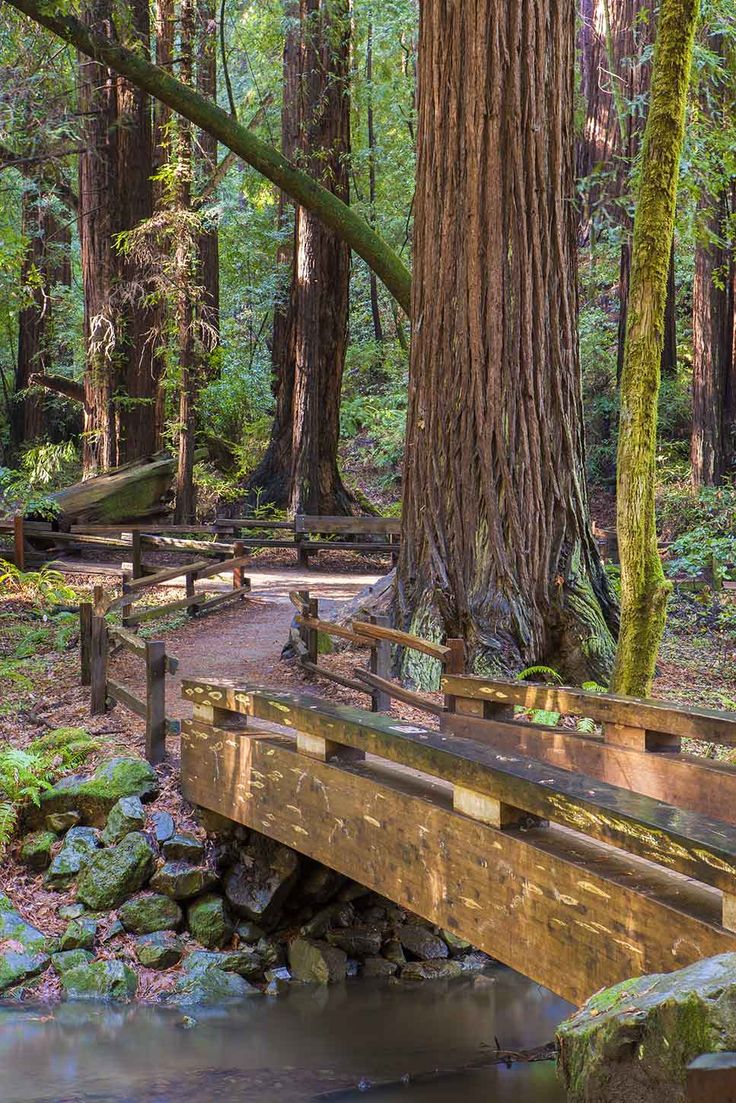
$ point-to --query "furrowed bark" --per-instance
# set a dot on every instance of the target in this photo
(346, 223)
(643, 587)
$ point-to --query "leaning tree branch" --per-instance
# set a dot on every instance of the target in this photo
(59, 384)
(205, 114)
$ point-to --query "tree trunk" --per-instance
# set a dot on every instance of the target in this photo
(375, 309)
(48, 261)
(299, 470)
(643, 588)
(206, 158)
(496, 543)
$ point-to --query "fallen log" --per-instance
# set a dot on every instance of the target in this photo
(126, 493)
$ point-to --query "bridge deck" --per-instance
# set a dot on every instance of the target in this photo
(566, 909)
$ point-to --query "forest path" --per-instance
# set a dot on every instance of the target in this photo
(245, 640)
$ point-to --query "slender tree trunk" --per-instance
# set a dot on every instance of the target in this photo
(643, 588)
(496, 540)
(375, 309)
(206, 164)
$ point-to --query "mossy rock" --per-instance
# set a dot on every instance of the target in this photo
(183, 847)
(210, 986)
(17, 966)
(160, 950)
(436, 969)
(79, 935)
(209, 921)
(246, 963)
(633, 1042)
(315, 962)
(150, 912)
(117, 872)
(100, 980)
(35, 851)
(80, 843)
(94, 797)
(70, 959)
(15, 929)
(182, 881)
(126, 815)
(59, 822)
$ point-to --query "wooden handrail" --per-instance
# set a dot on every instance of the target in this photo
(402, 639)
(330, 629)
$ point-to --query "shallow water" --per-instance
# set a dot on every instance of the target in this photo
(350, 1042)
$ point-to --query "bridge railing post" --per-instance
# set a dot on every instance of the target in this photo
(712, 1077)
(380, 665)
(98, 650)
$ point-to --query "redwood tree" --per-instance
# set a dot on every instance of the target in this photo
(299, 470)
(496, 540)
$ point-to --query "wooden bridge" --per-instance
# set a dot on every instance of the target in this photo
(555, 850)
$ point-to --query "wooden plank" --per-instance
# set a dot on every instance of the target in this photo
(123, 638)
(211, 547)
(378, 525)
(711, 1078)
(123, 696)
(138, 526)
(398, 692)
(660, 716)
(28, 526)
(697, 784)
(224, 567)
(98, 659)
(378, 547)
(252, 523)
(332, 676)
(85, 642)
(697, 846)
(572, 915)
(80, 539)
(401, 639)
(155, 701)
(330, 629)
(19, 542)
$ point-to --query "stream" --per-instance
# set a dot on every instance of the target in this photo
(357, 1041)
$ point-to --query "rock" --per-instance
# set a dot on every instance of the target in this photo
(634, 1041)
(160, 950)
(320, 885)
(15, 929)
(149, 912)
(378, 967)
(70, 959)
(431, 970)
(209, 921)
(421, 943)
(316, 962)
(163, 826)
(70, 911)
(59, 822)
(182, 881)
(210, 986)
(259, 883)
(338, 915)
(475, 962)
(116, 873)
(80, 843)
(36, 849)
(185, 848)
(356, 941)
(125, 816)
(100, 980)
(247, 963)
(455, 944)
(392, 952)
(93, 797)
(277, 981)
(18, 965)
(112, 932)
(249, 932)
(270, 952)
(79, 935)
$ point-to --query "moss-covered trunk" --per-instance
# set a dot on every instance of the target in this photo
(643, 587)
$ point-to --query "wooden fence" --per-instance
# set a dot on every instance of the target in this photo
(375, 634)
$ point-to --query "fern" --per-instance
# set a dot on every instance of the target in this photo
(44, 587)
(545, 672)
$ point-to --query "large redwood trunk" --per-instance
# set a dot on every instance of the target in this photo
(299, 470)
(115, 194)
(496, 540)
(48, 259)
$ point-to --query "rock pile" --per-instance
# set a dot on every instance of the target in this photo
(229, 917)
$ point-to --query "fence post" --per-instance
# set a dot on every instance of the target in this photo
(136, 553)
(239, 579)
(380, 665)
(19, 542)
(98, 658)
(455, 665)
(155, 701)
(312, 633)
(712, 1078)
(85, 642)
(190, 592)
(125, 609)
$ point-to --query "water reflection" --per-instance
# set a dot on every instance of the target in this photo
(350, 1042)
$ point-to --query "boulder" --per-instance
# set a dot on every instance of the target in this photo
(378, 967)
(392, 951)
(356, 941)
(117, 872)
(70, 911)
(100, 980)
(455, 944)
(15, 929)
(249, 932)
(160, 950)
(126, 815)
(259, 883)
(59, 822)
(210, 986)
(182, 881)
(431, 970)
(163, 826)
(70, 959)
(18, 965)
(246, 963)
(475, 962)
(421, 943)
(80, 843)
(634, 1041)
(316, 962)
(35, 851)
(79, 935)
(93, 797)
(209, 921)
(149, 912)
(277, 981)
(185, 848)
